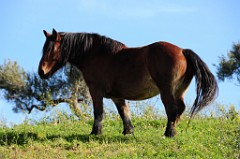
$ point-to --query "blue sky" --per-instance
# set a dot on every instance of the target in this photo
(209, 27)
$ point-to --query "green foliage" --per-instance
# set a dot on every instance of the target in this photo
(27, 91)
(12, 77)
(66, 137)
(230, 65)
(228, 112)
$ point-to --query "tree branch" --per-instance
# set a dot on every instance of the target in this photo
(54, 103)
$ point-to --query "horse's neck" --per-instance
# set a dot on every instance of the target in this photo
(79, 59)
(80, 56)
(76, 61)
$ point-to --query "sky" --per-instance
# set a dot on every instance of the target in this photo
(208, 27)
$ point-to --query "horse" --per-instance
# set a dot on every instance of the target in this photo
(113, 70)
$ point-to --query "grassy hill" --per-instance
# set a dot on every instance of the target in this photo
(66, 137)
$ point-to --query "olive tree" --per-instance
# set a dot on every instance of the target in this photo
(229, 67)
(27, 91)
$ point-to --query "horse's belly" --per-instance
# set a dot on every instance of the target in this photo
(139, 89)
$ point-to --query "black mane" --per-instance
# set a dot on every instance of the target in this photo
(81, 43)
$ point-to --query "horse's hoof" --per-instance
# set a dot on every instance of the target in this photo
(96, 133)
(170, 133)
(128, 131)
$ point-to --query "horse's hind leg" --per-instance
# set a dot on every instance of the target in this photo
(174, 105)
(124, 112)
(172, 114)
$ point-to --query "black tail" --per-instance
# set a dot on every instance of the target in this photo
(207, 88)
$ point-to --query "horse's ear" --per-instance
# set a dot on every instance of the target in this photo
(54, 31)
(55, 34)
(46, 33)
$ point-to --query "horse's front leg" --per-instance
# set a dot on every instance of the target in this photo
(124, 112)
(98, 111)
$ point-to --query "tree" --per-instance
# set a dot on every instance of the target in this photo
(27, 91)
(230, 66)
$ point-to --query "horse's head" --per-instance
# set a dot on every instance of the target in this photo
(51, 59)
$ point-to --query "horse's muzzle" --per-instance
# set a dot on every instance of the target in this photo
(42, 74)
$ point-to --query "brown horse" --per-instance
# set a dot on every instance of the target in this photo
(112, 70)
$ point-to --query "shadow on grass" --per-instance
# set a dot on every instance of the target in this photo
(10, 138)
(17, 138)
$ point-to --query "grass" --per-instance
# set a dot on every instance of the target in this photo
(66, 137)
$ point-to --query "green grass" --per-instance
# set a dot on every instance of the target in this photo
(206, 137)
